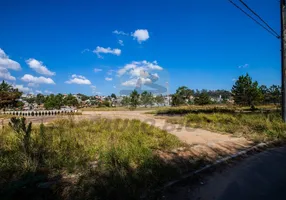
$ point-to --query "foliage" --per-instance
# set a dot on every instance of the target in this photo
(159, 99)
(134, 99)
(113, 96)
(203, 99)
(246, 92)
(8, 95)
(40, 99)
(111, 156)
(181, 96)
(70, 100)
(23, 131)
(147, 98)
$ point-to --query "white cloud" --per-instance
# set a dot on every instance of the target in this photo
(39, 67)
(108, 79)
(6, 62)
(85, 50)
(136, 82)
(97, 70)
(37, 80)
(141, 35)
(119, 32)
(139, 69)
(78, 79)
(23, 89)
(5, 74)
(33, 85)
(114, 86)
(243, 66)
(107, 50)
(39, 91)
(121, 42)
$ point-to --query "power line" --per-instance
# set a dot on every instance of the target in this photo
(259, 17)
(275, 35)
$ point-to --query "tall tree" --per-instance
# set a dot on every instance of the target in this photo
(8, 95)
(40, 99)
(125, 101)
(159, 99)
(181, 96)
(275, 94)
(203, 99)
(134, 99)
(70, 100)
(146, 98)
(246, 92)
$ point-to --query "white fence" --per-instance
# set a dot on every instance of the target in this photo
(39, 112)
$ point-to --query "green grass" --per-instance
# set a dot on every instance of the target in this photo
(182, 110)
(115, 159)
(258, 127)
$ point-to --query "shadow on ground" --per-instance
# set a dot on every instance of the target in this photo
(114, 180)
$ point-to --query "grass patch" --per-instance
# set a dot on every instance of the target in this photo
(259, 127)
(182, 110)
(114, 159)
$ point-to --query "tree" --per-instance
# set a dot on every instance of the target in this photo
(265, 94)
(203, 99)
(146, 98)
(113, 96)
(134, 99)
(159, 99)
(8, 95)
(54, 102)
(246, 92)
(125, 101)
(40, 99)
(275, 94)
(31, 100)
(181, 96)
(70, 100)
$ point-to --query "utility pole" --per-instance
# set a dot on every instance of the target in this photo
(283, 58)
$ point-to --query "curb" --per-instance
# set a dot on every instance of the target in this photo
(206, 167)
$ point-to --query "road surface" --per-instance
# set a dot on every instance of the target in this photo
(258, 177)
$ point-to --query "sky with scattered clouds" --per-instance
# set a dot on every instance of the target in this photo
(104, 47)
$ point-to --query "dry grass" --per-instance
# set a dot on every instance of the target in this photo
(259, 127)
(114, 159)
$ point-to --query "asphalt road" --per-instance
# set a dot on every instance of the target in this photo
(258, 177)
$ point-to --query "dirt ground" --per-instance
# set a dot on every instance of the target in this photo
(203, 142)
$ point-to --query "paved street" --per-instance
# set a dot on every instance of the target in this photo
(258, 177)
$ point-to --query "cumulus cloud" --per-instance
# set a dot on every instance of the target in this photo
(23, 89)
(141, 35)
(136, 82)
(78, 79)
(119, 32)
(121, 42)
(38, 67)
(5, 74)
(139, 73)
(108, 79)
(101, 50)
(39, 91)
(37, 80)
(140, 68)
(97, 70)
(7, 63)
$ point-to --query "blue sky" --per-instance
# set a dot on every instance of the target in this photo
(55, 46)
